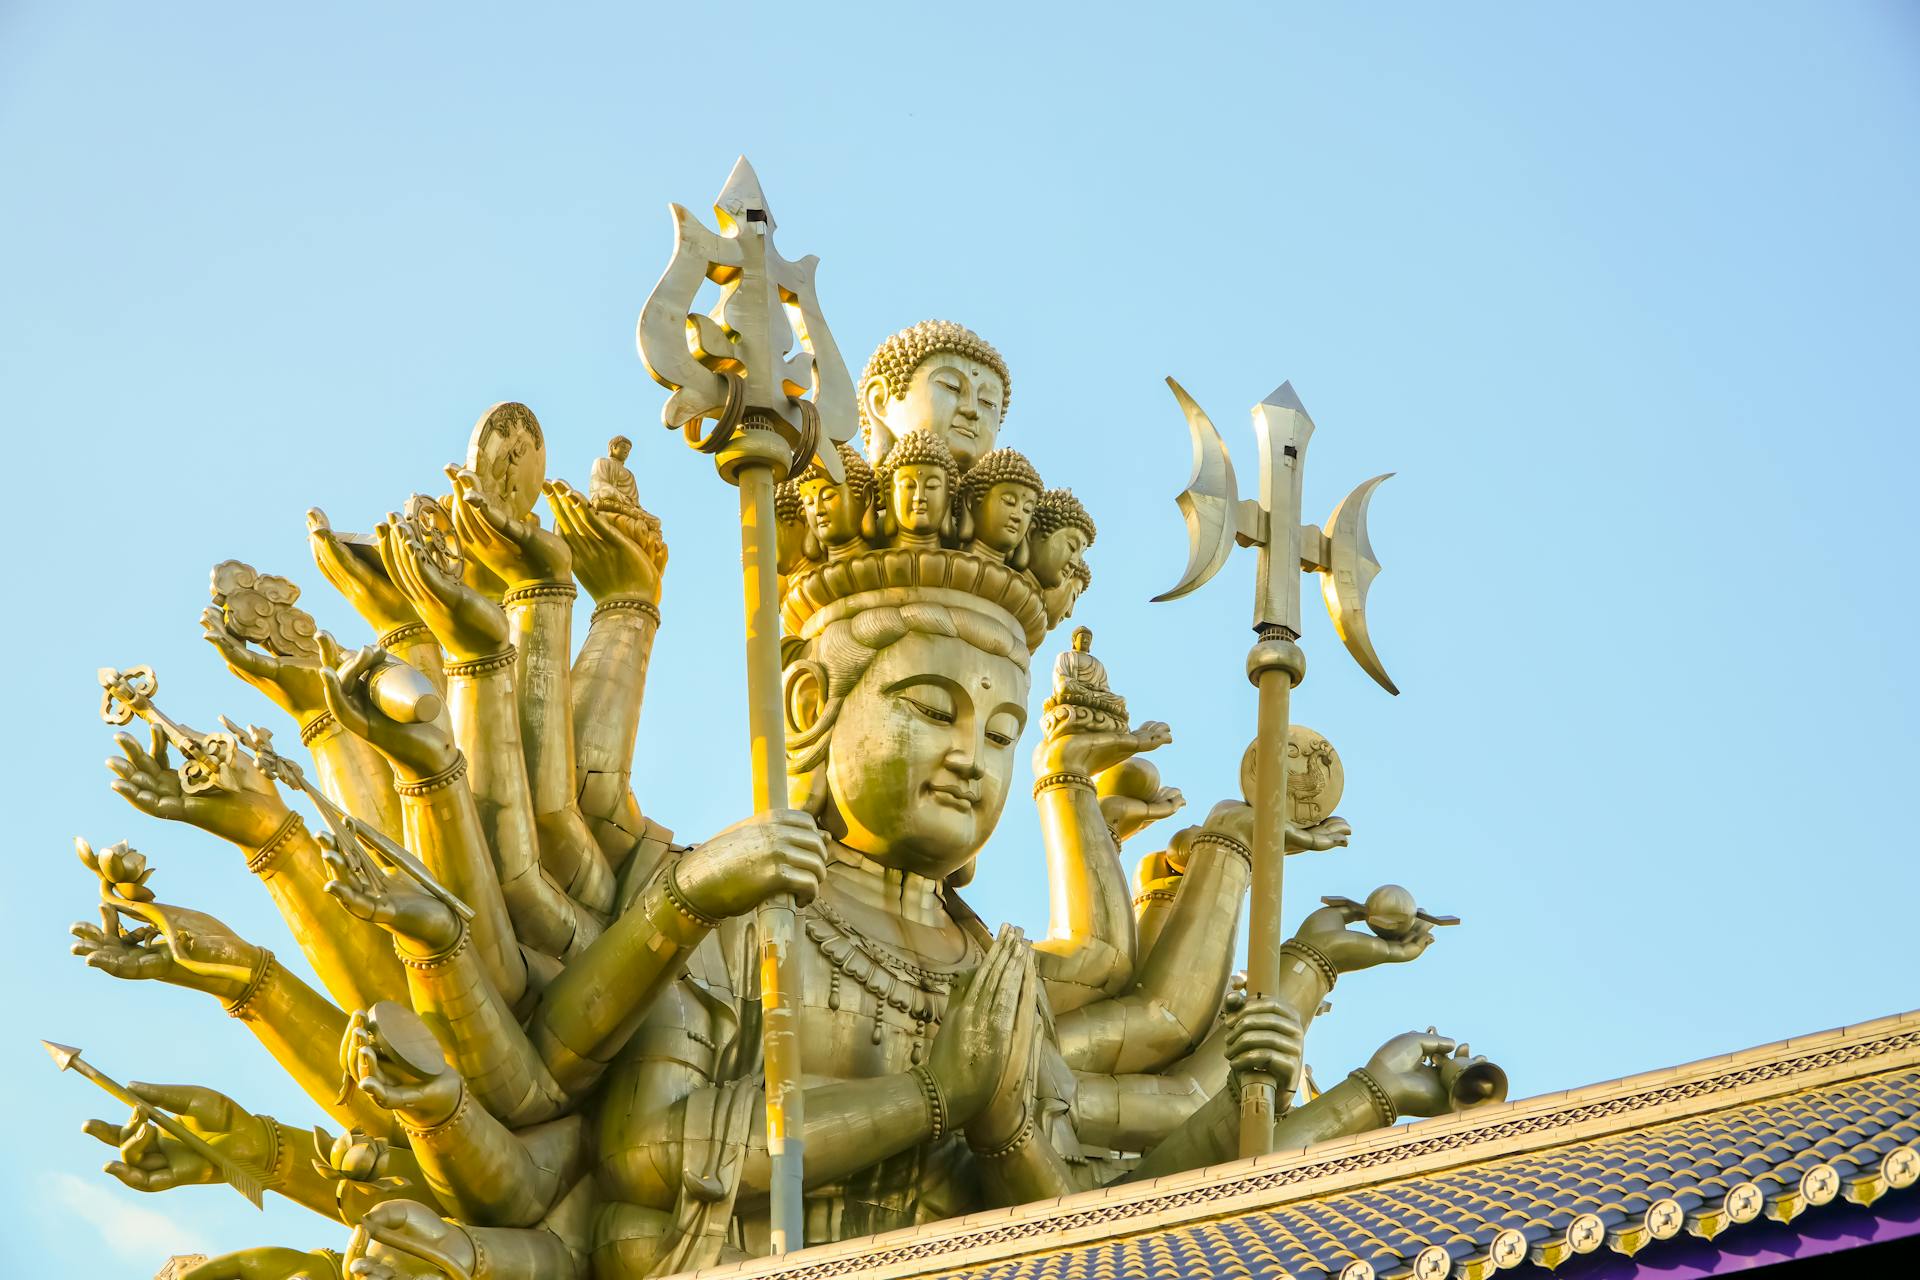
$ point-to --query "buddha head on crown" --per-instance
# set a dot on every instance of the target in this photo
(905, 692)
(936, 376)
(834, 511)
(917, 484)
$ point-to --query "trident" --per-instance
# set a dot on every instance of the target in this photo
(731, 365)
(1217, 519)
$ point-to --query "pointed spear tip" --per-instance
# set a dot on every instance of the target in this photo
(1284, 397)
(62, 1054)
(741, 198)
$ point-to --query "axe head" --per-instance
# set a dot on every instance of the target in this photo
(1208, 502)
(1349, 571)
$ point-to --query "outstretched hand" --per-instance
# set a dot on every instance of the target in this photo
(293, 685)
(466, 623)
(418, 749)
(395, 1061)
(1088, 753)
(1411, 1068)
(372, 895)
(517, 551)
(607, 559)
(1130, 815)
(243, 806)
(357, 572)
(174, 945)
(152, 1161)
(1351, 950)
(268, 1262)
(405, 1240)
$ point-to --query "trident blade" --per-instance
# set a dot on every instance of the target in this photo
(1208, 500)
(1350, 570)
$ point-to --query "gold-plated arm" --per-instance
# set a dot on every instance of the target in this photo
(609, 686)
(299, 1027)
(1087, 954)
(352, 958)
(1184, 979)
(441, 823)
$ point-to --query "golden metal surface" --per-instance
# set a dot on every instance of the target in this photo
(556, 1042)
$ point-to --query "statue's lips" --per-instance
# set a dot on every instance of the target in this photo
(957, 797)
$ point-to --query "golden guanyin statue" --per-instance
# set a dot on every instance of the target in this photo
(555, 1042)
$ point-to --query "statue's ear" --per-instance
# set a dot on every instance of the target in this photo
(960, 516)
(870, 525)
(874, 398)
(804, 691)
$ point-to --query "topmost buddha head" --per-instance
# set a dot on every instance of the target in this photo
(939, 377)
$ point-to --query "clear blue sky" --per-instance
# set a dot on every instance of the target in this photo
(1621, 292)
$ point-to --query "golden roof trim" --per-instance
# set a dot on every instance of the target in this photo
(1381, 1156)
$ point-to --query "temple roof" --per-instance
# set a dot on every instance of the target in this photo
(1725, 1145)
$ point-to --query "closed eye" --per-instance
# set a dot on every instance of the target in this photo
(999, 739)
(935, 714)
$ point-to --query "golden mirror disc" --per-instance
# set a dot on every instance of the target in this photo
(509, 455)
(1315, 780)
(407, 1039)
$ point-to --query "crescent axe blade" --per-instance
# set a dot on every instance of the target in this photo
(1350, 571)
(1207, 503)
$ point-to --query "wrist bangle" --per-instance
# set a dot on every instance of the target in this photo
(438, 958)
(432, 1131)
(628, 604)
(482, 666)
(1313, 957)
(1381, 1099)
(1062, 779)
(434, 781)
(936, 1105)
(279, 1151)
(261, 861)
(1011, 1145)
(318, 727)
(1227, 842)
(540, 591)
(237, 1007)
(335, 1259)
(670, 884)
(405, 633)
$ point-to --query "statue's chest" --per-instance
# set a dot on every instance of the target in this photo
(871, 1007)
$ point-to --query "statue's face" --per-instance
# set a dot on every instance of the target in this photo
(1001, 515)
(920, 498)
(620, 449)
(1053, 553)
(958, 399)
(831, 511)
(922, 753)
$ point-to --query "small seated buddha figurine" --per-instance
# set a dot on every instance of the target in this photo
(1062, 532)
(835, 511)
(916, 484)
(1082, 701)
(997, 498)
(611, 490)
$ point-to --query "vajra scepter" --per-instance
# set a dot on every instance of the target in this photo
(732, 366)
(1217, 519)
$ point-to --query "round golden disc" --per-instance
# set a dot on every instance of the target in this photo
(509, 455)
(406, 1039)
(1315, 780)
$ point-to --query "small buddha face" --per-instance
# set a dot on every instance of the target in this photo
(831, 511)
(920, 498)
(618, 448)
(958, 399)
(922, 753)
(1053, 553)
(1002, 515)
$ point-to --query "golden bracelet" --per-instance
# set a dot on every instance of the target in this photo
(1227, 842)
(405, 633)
(261, 861)
(1381, 1099)
(1062, 779)
(678, 898)
(936, 1105)
(669, 920)
(540, 591)
(1020, 1139)
(237, 1007)
(1313, 956)
(315, 728)
(438, 958)
(459, 1113)
(482, 666)
(434, 781)
(628, 604)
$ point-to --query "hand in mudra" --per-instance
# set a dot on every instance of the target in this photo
(1354, 949)
(174, 945)
(607, 559)
(243, 806)
(985, 1041)
(780, 851)
(358, 573)
(405, 1240)
(293, 686)
(1095, 751)
(418, 749)
(268, 1262)
(1130, 815)
(516, 550)
(1412, 1068)
(395, 1061)
(466, 623)
(152, 1161)
(389, 901)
